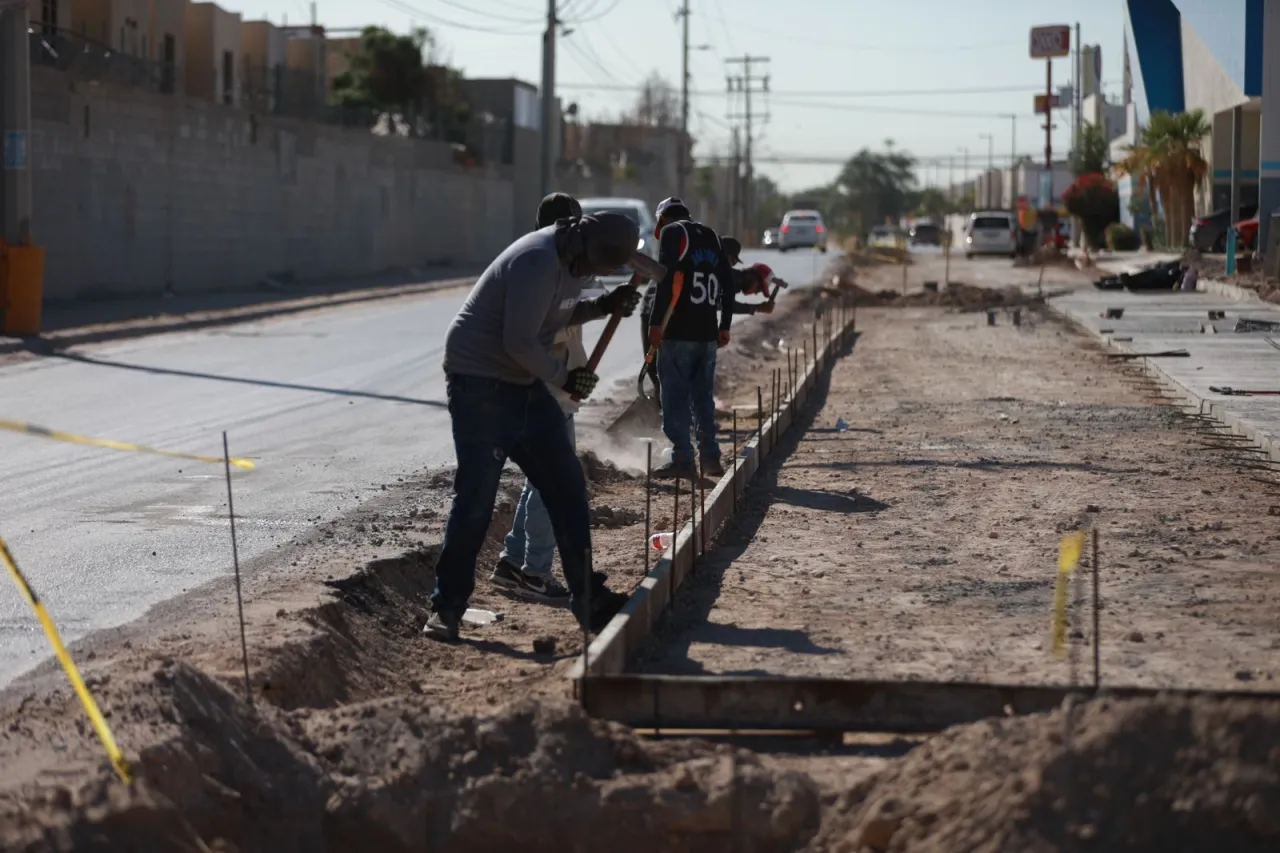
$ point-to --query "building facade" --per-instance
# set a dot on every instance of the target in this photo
(1212, 55)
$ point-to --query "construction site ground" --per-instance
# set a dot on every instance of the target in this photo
(920, 542)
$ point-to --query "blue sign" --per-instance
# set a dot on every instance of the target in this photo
(1046, 190)
(15, 151)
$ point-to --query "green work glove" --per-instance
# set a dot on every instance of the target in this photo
(581, 383)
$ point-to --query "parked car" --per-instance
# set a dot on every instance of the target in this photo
(1209, 233)
(802, 229)
(926, 234)
(769, 239)
(1247, 233)
(638, 212)
(991, 232)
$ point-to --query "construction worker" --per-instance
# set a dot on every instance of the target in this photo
(524, 566)
(688, 321)
(753, 280)
(498, 362)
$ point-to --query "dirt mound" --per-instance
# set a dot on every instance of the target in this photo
(959, 296)
(398, 775)
(602, 471)
(1149, 775)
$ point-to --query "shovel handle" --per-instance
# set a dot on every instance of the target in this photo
(615, 320)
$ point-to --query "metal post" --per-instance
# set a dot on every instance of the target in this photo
(549, 119)
(702, 513)
(1097, 608)
(675, 523)
(648, 501)
(1237, 135)
(759, 420)
(1048, 123)
(15, 122)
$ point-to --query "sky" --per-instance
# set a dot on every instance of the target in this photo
(933, 76)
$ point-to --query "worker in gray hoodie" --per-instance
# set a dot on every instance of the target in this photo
(524, 566)
(498, 362)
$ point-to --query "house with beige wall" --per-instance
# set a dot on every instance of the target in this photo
(150, 30)
(214, 51)
(264, 50)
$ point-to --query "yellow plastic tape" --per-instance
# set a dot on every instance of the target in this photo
(110, 444)
(118, 760)
(1069, 551)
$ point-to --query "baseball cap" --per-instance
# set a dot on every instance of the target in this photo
(672, 208)
(732, 249)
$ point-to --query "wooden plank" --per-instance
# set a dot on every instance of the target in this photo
(724, 703)
(628, 631)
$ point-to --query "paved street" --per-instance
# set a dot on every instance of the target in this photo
(331, 404)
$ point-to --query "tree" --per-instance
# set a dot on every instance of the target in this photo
(657, 105)
(931, 202)
(875, 186)
(1169, 163)
(1093, 153)
(1093, 199)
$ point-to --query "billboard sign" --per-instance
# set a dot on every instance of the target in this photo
(1050, 42)
(1044, 103)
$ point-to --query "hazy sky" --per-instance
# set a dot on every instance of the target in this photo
(837, 72)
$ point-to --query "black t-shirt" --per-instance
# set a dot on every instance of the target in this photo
(699, 283)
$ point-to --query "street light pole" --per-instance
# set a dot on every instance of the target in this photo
(991, 170)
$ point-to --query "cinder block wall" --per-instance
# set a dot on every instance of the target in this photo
(137, 192)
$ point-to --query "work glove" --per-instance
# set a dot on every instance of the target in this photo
(581, 383)
(622, 300)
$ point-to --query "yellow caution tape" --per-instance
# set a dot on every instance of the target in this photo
(57, 435)
(1069, 551)
(118, 760)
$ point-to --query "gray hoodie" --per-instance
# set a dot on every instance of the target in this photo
(508, 325)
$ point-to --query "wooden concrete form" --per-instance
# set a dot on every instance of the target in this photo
(627, 633)
(728, 703)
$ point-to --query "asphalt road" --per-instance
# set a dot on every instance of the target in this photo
(331, 404)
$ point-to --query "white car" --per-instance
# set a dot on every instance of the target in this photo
(638, 212)
(991, 232)
(802, 229)
(883, 236)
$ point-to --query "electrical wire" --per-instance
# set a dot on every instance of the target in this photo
(882, 48)
(876, 93)
(864, 108)
(615, 4)
(484, 13)
(413, 11)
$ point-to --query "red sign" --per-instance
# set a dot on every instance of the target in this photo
(1050, 42)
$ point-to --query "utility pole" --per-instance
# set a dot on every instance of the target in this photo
(735, 184)
(987, 195)
(549, 99)
(748, 84)
(1077, 96)
(682, 161)
(15, 125)
(951, 177)
(1013, 160)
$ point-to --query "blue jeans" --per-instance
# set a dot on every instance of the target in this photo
(531, 543)
(494, 421)
(687, 371)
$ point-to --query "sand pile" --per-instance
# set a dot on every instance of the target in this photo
(396, 775)
(1149, 775)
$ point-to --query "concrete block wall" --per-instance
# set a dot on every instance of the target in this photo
(136, 192)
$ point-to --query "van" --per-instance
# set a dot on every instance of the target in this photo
(991, 232)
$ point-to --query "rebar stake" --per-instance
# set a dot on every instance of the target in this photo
(648, 501)
(1097, 611)
(235, 561)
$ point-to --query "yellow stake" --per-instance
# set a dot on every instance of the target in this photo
(111, 444)
(1069, 551)
(118, 760)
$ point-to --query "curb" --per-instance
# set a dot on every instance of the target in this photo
(627, 633)
(136, 329)
(1204, 406)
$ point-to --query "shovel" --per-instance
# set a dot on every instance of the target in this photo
(645, 268)
(645, 412)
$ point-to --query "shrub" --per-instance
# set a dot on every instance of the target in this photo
(1121, 238)
(1094, 201)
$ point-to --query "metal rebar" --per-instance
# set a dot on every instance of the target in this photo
(702, 513)
(235, 562)
(648, 502)
(734, 461)
(759, 420)
(675, 526)
(1097, 610)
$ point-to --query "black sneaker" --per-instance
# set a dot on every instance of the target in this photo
(532, 587)
(442, 626)
(676, 471)
(712, 467)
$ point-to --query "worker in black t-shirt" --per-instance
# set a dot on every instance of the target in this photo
(688, 320)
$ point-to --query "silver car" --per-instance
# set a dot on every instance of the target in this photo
(991, 232)
(802, 229)
(638, 212)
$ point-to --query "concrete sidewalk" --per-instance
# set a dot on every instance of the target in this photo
(1159, 321)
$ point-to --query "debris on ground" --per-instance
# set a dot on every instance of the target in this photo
(614, 516)
(601, 471)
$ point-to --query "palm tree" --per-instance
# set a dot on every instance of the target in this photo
(1168, 160)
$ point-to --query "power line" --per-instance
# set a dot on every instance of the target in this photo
(413, 11)
(603, 14)
(859, 93)
(881, 47)
(484, 13)
(864, 108)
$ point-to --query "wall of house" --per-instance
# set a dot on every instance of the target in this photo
(200, 77)
(137, 192)
(228, 38)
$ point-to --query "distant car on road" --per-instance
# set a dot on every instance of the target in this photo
(638, 212)
(1209, 233)
(802, 229)
(926, 234)
(991, 232)
(769, 239)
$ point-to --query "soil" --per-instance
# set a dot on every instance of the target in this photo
(930, 527)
